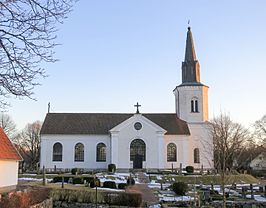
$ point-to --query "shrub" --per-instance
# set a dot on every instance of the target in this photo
(94, 182)
(24, 199)
(112, 168)
(109, 184)
(78, 180)
(88, 179)
(122, 186)
(123, 199)
(57, 179)
(180, 188)
(130, 181)
(74, 171)
(75, 196)
(190, 169)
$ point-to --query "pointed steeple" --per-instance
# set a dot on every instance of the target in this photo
(190, 66)
(190, 50)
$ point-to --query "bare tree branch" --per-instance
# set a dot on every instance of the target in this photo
(27, 38)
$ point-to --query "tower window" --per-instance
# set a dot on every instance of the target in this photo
(194, 105)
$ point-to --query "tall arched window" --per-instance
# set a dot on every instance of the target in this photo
(101, 152)
(194, 105)
(196, 155)
(57, 152)
(171, 152)
(137, 148)
(79, 152)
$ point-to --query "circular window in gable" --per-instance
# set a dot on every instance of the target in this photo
(137, 125)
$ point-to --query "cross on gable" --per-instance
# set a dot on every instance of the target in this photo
(138, 105)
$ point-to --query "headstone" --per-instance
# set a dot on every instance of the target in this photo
(172, 167)
(180, 169)
(244, 192)
(261, 189)
(63, 181)
(43, 176)
(251, 190)
(206, 195)
(234, 186)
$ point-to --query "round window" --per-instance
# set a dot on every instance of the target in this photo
(137, 126)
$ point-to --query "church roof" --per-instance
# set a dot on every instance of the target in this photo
(101, 123)
(7, 150)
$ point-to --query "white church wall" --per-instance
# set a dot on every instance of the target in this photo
(150, 133)
(200, 138)
(181, 142)
(69, 141)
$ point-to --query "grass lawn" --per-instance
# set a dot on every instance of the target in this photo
(208, 179)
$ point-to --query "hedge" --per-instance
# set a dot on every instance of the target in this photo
(109, 184)
(110, 198)
(122, 186)
(180, 188)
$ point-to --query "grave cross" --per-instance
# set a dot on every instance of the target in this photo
(137, 107)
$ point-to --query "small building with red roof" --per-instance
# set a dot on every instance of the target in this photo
(9, 159)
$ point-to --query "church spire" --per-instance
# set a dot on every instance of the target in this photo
(190, 66)
(190, 50)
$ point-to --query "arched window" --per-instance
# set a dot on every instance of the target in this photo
(196, 155)
(79, 152)
(137, 148)
(171, 152)
(57, 152)
(101, 152)
(194, 105)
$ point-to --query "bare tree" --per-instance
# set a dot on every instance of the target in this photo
(8, 125)
(228, 139)
(30, 144)
(260, 130)
(27, 37)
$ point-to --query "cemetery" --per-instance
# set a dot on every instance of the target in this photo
(78, 188)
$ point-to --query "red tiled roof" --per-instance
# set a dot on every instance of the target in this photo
(7, 150)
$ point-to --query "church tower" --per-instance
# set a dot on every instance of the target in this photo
(191, 96)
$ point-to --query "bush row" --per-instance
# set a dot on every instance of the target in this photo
(74, 180)
(92, 182)
(110, 198)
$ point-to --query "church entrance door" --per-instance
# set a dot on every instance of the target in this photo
(137, 162)
(137, 153)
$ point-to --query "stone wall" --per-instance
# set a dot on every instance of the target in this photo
(48, 203)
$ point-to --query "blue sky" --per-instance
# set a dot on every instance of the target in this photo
(115, 53)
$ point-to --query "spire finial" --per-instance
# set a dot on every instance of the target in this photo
(188, 23)
(49, 107)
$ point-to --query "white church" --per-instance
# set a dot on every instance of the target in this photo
(135, 141)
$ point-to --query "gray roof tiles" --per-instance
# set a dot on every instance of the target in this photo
(101, 123)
